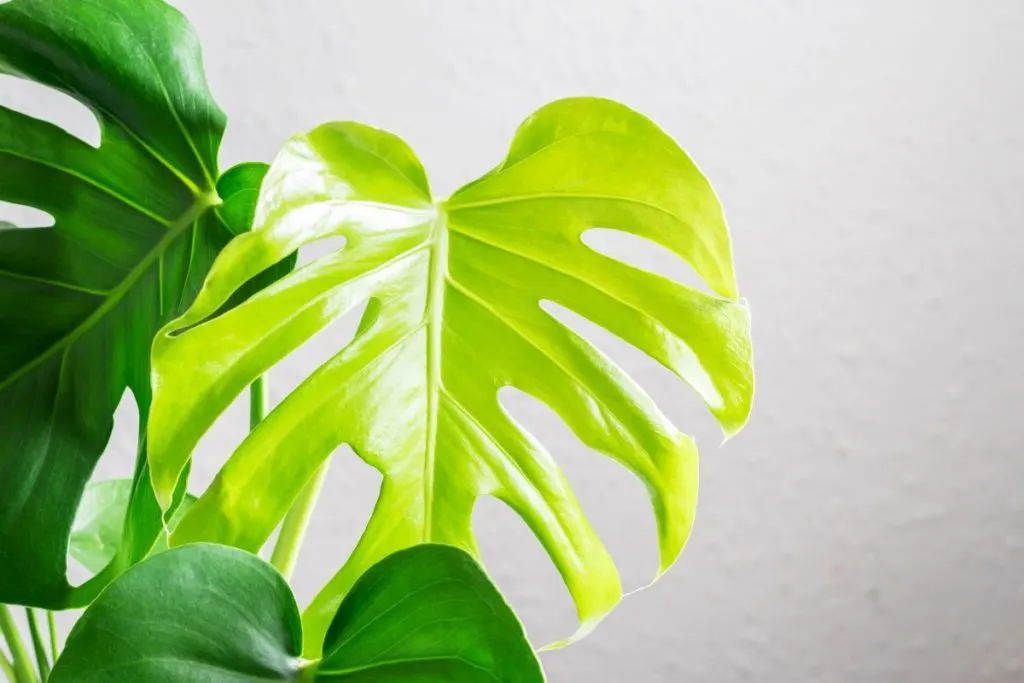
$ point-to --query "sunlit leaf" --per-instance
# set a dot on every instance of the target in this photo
(454, 291)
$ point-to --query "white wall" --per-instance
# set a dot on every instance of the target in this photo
(869, 525)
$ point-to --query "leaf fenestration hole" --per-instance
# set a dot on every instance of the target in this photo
(644, 254)
(346, 503)
(47, 104)
(218, 443)
(614, 500)
(232, 426)
(522, 569)
(321, 247)
(22, 216)
(239, 296)
(246, 291)
(302, 362)
(673, 397)
(306, 255)
(117, 462)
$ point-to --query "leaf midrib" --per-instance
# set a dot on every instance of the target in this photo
(439, 280)
(170, 106)
(437, 274)
(187, 219)
(105, 113)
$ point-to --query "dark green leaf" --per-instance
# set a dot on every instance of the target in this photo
(80, 302)
(201, 614)
(239, 189)
(427, 614)
(212, 614)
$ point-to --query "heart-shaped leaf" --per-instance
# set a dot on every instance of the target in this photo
(81, 301)
(211, 614)
(201, 614)
(455, 291)
(427, 613)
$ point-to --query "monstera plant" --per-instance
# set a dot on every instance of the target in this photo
(163, 277)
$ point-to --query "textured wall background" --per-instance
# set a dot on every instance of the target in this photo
(868, 526)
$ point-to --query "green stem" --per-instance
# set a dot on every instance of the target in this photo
(51, 621)
(293, 528)
(38, 644)
(309, 673)
(22, 664)
(259, 397)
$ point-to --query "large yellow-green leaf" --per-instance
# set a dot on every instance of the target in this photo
(80, 301)
(455, 290)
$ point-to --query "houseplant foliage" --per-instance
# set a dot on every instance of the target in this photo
(454, 290)
(162, 277)
(80, 301)
(426, 614)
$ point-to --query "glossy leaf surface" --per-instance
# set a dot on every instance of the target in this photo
(239, 189)
(81, 301)
(427, 614)
(211, 614)
(202, 614)
(454, 292)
